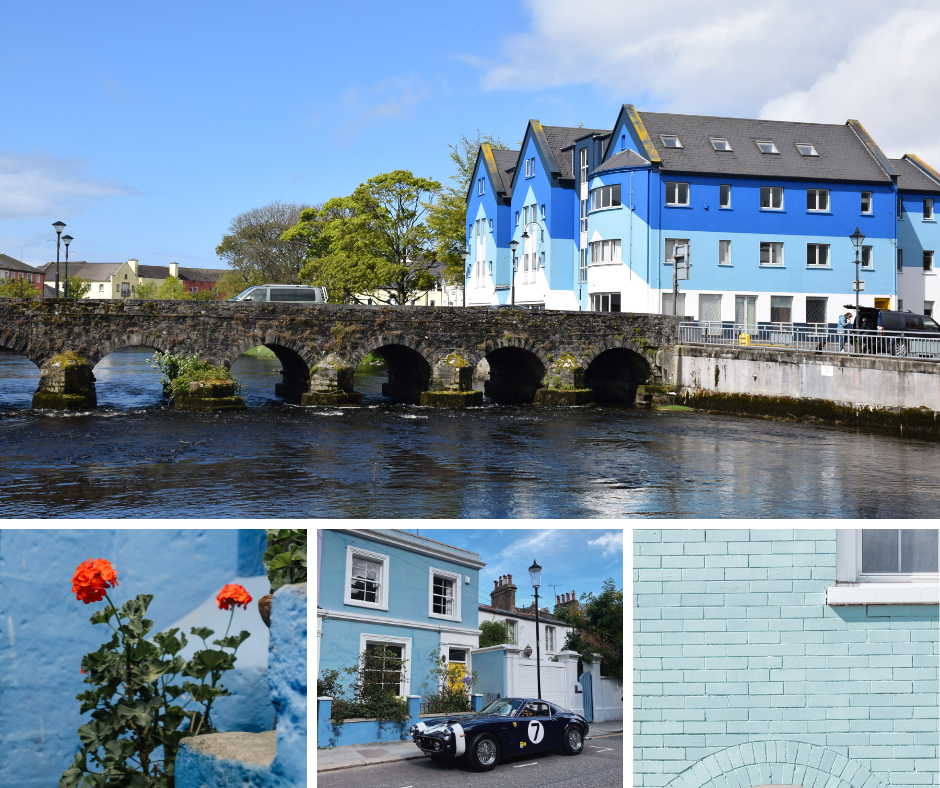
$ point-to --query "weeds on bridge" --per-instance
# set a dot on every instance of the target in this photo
(179, 370)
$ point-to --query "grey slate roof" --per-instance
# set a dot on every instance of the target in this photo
(95, 272)
(625, 158)
(506, 162)
(842, 155)
(8, 263)
(561, 137)
(185, 274)
(913, 179)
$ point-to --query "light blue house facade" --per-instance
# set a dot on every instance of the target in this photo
(764, 208)
(918, 234)
(383, 587)
(785, 657)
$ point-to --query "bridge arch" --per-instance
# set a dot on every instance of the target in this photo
(517, 370)
(775, 762)
(95, 353)
(296, 361)
(409, 362)
(615, 370)
(17, 343)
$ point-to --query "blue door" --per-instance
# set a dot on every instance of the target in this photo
(585, 680)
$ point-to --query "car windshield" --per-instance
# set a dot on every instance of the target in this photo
(242, 293)
(505, 707)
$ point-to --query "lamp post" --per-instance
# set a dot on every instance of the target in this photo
(513, 245)
(464, 254)
(857, 239)
(535, 576)
(67, 239)
(59, 227)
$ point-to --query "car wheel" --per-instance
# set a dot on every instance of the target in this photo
(483, 753)
(900, 348)
(574, 740)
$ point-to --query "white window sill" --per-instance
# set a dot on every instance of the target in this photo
(370, 605)
(884, 594)
(605, 262)
(445, 618)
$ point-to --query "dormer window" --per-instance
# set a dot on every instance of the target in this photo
(806, 149)
(766, 146)
(719, 143)
(670, 140)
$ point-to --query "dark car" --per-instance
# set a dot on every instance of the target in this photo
(888, 332)
(506, 727)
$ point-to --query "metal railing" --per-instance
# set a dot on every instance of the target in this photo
(812, 338)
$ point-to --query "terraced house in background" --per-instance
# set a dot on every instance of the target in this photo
(763, 211)
(785, 657)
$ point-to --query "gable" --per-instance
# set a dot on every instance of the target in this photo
(638, 139)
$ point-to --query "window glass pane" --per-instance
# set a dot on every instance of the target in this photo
(724, 252)
(880, 550)
(670, 193)
(765, 253)
(764, 196)
(824, 200)
(781, 309)
(725, 195)
(614, 250)
(816, 310)
(776, 197)
(866, 257)
(605, 302)
(823, 254)
(709, 307)
(919, 550)
(811, 199)
(615, 302)
(683, 194)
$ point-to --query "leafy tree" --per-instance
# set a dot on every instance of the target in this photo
(495, 633)
(231, 283)
(205, 295)
(170, 288)
(77, 287)
(375, 241)
(18, 288)
(255, 246)
(447, 219)
(597, 628)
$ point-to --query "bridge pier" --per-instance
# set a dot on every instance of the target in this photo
(66, 382)
(331, 383)
(452, 385)
(565, 383)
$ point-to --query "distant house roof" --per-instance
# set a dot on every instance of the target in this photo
(505, 163)
(915, 175)
(8, 263)
(625, 158)
(527, 616)
(94, 272)
(185, 274)
(845, 151)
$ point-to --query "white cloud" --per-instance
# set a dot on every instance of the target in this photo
(611, 542)
(45, 187)
(392, 98)
(887, 81)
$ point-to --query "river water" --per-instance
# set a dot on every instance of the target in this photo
(133, 457)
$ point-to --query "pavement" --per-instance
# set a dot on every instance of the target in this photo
(354, 755)
(600, 765)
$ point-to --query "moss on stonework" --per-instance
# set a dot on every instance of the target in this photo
(51, 400)
(340, 399)
(451, 399)
(66, 360)
(566, 360)
(454, 360)
(208, 404)
(564, 397)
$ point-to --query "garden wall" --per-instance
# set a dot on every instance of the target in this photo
(44, 630)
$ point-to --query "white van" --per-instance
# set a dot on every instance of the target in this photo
(283, 294)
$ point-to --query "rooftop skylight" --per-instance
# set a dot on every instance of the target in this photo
(766, 146)
(670, 140)
(720, 143)
(806, 149)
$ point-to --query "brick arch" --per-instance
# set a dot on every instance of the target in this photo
(776, 762)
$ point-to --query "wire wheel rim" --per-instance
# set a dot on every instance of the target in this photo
(574, 740)
(486, 752)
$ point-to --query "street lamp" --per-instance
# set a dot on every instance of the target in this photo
(856, 238)
(513, 245)
(59, 227)
(67, 239)
(535, 576)
(464, 254)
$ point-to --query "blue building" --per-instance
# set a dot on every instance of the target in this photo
(382, 587)
(764, 210)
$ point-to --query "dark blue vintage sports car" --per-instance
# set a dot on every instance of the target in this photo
(506, 727)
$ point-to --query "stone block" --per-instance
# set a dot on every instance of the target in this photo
(341, 399)
(66, 382)
(211, 389)
(451, 399)
(208, 404)
(564, 397)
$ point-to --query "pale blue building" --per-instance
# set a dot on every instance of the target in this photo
(385, 587)
(786, 657)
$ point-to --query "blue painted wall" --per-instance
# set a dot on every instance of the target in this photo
(734, 645)
(44, 630)
(491, 672)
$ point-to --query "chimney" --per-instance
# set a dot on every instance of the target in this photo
(175, 270)
(133, 264)
(568, 601)
(503, 596)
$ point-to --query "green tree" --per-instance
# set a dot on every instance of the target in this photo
(495, 633)
(255, 246)
(448, 217)
(170, 288)
(231, 283)
(374, 242)
(18, 288)
(597, 628)
(77, 287)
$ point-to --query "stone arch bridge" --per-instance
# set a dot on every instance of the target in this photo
(533, 355)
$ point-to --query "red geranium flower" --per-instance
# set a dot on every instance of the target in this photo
(92, 578)
(233, 594)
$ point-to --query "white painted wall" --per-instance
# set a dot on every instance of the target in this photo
(525, 631)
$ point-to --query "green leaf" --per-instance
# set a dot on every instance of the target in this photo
(202, 632)
(92, 734)
(282, 561)
(103, 616)
(233, 641)
(139, 713)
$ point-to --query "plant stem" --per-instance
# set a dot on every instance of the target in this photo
(229, 622)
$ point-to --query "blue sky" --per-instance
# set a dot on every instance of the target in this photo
(571, 559)
(147, 128)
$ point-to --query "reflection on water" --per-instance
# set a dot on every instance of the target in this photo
(134, 457)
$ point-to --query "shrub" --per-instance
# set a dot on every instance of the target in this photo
(448, 691)
(179, 370)
(286, 557)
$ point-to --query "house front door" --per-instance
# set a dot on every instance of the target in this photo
(457, 668)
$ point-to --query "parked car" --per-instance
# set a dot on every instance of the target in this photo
(283, 294)
(895, 333)
(505, 727)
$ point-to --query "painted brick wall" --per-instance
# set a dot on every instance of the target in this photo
(743, 675)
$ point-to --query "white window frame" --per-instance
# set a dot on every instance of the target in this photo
(809, 145)
(729, 149)
(456, 579)
(584, 164)
(773, 148)
(550, 631)
(675, 137)
(677, 184)
(928, 255)
(382, 604)
(482, 185)
(928, 208)
(720, 205)
(871, 258)
(366, 638)
(853, 587)
(817, 264)
(818, 194)
(771, 206)
(871, 203)
(776, 250)
(728, 242)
